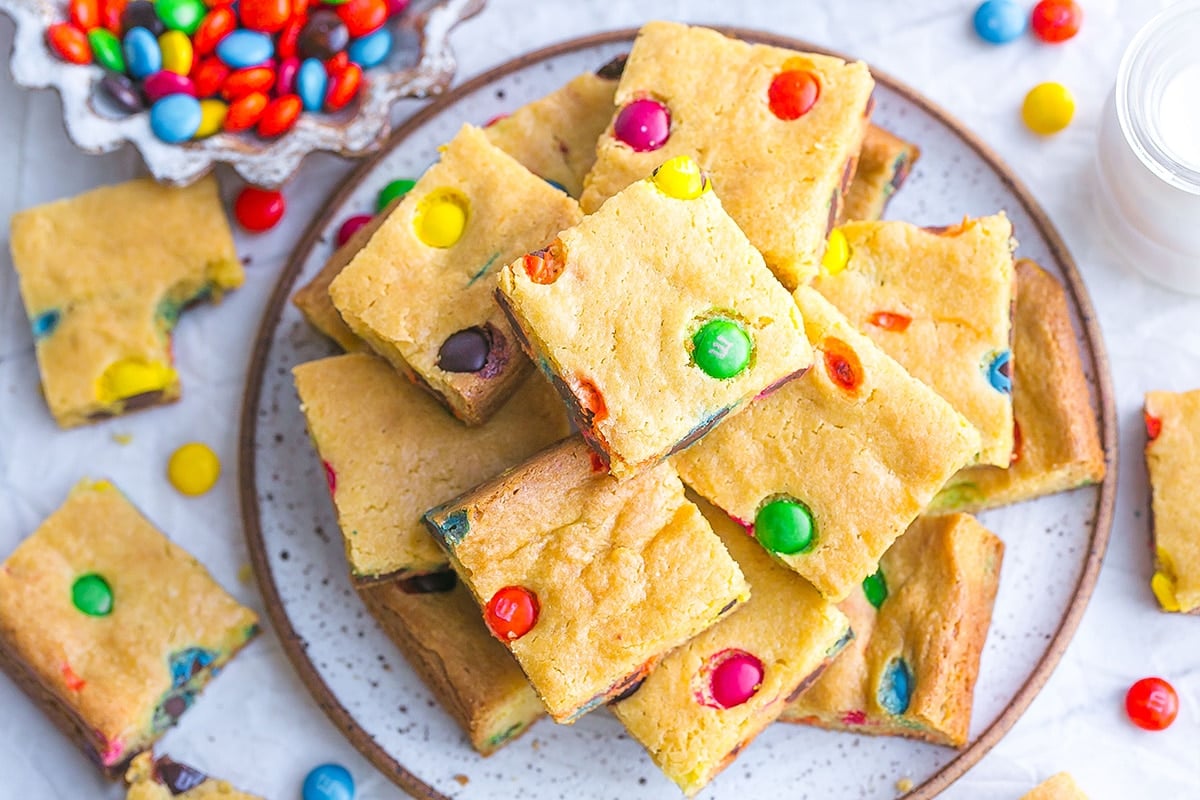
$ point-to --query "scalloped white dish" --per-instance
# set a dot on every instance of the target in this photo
(421, 64)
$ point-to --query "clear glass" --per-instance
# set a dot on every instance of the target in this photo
(1149, 198)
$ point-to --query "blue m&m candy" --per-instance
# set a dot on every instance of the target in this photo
(311, 82)
(999, 21)
(245, 48)
(329, 782)
(143, 56)
(175, 118)
(370, 50)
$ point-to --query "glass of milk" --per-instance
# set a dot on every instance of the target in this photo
(1148, 161)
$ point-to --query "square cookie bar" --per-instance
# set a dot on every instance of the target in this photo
(1173, 460)
(1056, 446)
(104, 277)
(587, 580)
(939, 301)
(420, 292)
(555, 137)
(828, 470)
(1057, 787)
(436, 624)
(655, 318)
(165, 779)
(884, 163)
(778, 132)
(920, 623)
(709, 698)
(312, 299)
(111, 628)
(390, 452)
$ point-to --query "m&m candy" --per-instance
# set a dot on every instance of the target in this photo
(328, 782)
(681, 178)
(279, 116)
(175, 118)
(1055, 21)
(312, 81)
(734, 676)
(793, 93)
(106, 49)
(193, 469)
(397, 188)
(785, 526)
(372, 49)
(244, 48)
(351, 226)
(511, 613)
(257, 209)
(92, 595)
(69, 43)
(1048, 108)
(1152, 704)
(721, 348)
(441, 218)
(142, 53)
(644, 125)
(999, 21)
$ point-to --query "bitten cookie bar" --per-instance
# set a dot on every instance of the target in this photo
(390, 452)
(1058, 787)
(940, 303)
(164, 779)
(920, 623)
(110, 627)
(555, 137)
(655, 318)
(1173, 460)
(587, 580)
(104, 277)
(1056, 445)
(827, 471)
(778, 132)
(436, 624)
(884, 163)
(709, 698)
(420, 292)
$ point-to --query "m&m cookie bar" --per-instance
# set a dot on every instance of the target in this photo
(555, 137)
(655, 318)
(420, 292)
(777, 131)
(920, 623)
(1173, 460)
(164, 778)
(110, 627)
(1056, 446)
(939, 302)
(884, 163)
(1057, 787)
(828, 470)
(436, 624)
(708, 699)
(390, 452)
(587, 580)
(104, 277)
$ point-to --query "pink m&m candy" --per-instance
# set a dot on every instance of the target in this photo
(350, 227)
(165, 82)
(734, 676)
(643, 124)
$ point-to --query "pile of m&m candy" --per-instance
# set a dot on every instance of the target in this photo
(205, 66)
(1049, 107)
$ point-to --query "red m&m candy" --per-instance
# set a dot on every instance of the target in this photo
(363, 16)
(793, 93)
(511, 613)
(245, 112)
(1152, 704)
(258, 209)
(351, 226)
(268, 16)
(1055, 21)
(279, 116)
(842, 364)
(69, 43)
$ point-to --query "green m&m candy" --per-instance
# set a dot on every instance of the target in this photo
(875, 588)
(106, 49)
(722, 348)
(92, 595)
(397, 188)
(785, 526)
(181, 15)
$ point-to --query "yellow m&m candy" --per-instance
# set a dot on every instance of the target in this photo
(837, 252)
(441, 218)
(193, 469)
(681, 178)
(1048, 108)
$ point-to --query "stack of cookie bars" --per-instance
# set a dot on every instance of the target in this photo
(736, 487)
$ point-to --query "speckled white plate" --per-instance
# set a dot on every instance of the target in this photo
(361, 680)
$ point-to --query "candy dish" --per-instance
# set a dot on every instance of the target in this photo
(1054, 545)
(421, 64)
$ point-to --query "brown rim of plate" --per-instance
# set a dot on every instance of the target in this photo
(293, 646)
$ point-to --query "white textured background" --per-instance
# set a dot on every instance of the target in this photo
(256, 724)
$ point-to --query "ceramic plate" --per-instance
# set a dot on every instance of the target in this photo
(361, 680)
